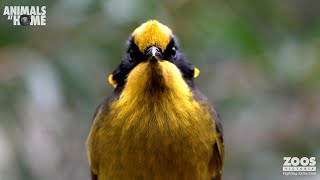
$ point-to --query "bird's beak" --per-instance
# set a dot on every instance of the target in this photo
(153, 53)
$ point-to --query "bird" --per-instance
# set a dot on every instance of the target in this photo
(156, 124)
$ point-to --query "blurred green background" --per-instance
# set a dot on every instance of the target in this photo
(259, 63)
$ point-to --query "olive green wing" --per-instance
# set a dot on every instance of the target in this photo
(217, 157)
(101, 112)
(92, 140)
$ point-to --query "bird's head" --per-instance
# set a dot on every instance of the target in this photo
(153, 60)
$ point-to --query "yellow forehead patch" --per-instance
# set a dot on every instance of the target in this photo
(152, 33)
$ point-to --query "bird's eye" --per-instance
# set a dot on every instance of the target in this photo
(132, 54)
(173, 52)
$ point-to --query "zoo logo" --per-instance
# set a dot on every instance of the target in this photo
(299, 166)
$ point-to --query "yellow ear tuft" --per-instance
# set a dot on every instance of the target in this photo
(112, 82)
(196, 72)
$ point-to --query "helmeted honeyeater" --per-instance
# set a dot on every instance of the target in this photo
(156, 125)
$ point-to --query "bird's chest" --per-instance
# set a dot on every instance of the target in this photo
(156, 141)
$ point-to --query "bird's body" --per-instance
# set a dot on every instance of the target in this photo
(156, 125)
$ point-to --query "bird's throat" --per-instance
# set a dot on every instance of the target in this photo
(155, 78)
(156, 84)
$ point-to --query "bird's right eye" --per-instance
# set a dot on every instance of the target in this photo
(132, 55)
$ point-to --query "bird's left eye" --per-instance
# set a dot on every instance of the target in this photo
(173, 52)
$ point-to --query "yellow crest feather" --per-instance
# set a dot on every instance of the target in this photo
(152, 33)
